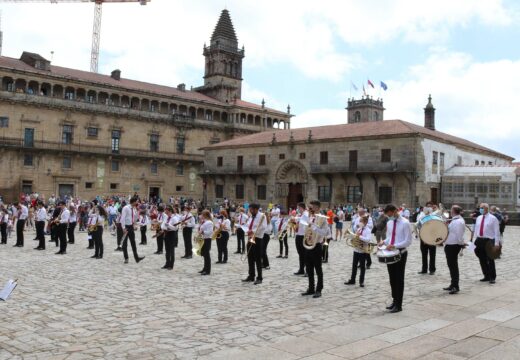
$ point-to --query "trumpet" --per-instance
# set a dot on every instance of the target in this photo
(251, 239)
(353, 240)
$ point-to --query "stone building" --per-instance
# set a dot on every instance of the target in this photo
(367, 160)
(67, 131)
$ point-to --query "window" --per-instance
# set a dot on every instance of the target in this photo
(4, 122)
(219, 191)
(261, 160)
(27, 186)
(116, 137)
(353, 194)
(115, 165)
(476, 162)
(178, 188)
(459, 160)
(490, 162)
(240, 163)
(385, 194)
(482, 189)
(357, 116)
(28, 160)
(352, 160)
(239, 191)
(506, 191)
(220, 161)
(154, 142)
(179, 170)
(376, 116)
(435, 157)
(28, 137)
(441, 160)
(66, 137)
(114, 186)
(89, 185)
(180, 144)
(494, 190)
(386, 155)
(153, 167)
(67, 162)
(281, 156)
(261, 192)
(323, 193)
(302, 156)
(482, 162)
(458, 189)
(92, 131)
(324, 157)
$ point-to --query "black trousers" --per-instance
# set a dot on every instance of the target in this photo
(325, 253)
(396, 275)
(169, 247)
(97, 236)
(283, 243)
(160, 242)
(452, 257)
(240, 240)
(312, 263)
(425, 250)
(265, 259)
(62, 236)
(206, 253)
(130, 235)
(70, 232)
(358, 259)
(368, 260)
(3, 232)
(222, 249)
(119, 234)
(254, 258)
(40, 235)
(486, 263)
(300, 249)
(188, 246)
(143, 235)
(19, 232)
(54, 233)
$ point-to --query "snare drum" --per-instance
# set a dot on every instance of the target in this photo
(432, 230)
(388, 256)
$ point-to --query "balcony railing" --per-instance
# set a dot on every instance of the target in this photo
(246, 170)
(361, 168)
(97, 150)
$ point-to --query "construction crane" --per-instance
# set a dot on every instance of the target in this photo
(96, 29)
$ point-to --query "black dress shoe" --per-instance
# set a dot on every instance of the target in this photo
(422, 272)
(279, 257)
(188, 257)
(266, 267)
(350, 282)
(448, 288)
(100, 257)
(37, 248)
(59, 253)
(200, 272)
(93, 256)
(126, 261)
(183, 257)
(218, 262)
(484, 279)
(165, 267)
(390, 307)
(453, 291)
(257, 282)
(361, 285)
(396, 309)
(305, 275)
(42, 248)
(119, 249)
(237, 252)
(299, 273)
(432, 272)
(248, 279)
(204, 273)
(139, 259)
(308, 292)
(158, 252)
(492, 281)
(317, 294)
(368, 267)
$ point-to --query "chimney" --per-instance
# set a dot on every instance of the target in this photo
(429, 115)
(181, 87)
(116, 74)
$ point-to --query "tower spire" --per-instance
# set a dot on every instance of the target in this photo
(429, 115)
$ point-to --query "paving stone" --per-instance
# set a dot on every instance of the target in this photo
(359, 348)
(417, 347)
(464, 329)
(470, 346)
(501, 333)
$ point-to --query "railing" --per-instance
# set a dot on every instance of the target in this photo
(246, 170)
(98, 150)
(231, 49)
(361, 168)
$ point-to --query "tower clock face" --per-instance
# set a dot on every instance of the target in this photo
(192, 176)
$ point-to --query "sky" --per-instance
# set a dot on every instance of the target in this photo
(308, 53)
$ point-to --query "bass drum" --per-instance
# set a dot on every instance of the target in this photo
(432, 230)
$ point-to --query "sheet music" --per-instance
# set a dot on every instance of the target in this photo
(8, 289)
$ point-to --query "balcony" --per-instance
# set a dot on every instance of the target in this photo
(246, 170)
(393, 167)
(42, 145)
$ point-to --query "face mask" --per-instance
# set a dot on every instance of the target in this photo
(481, 211)
(390, 218)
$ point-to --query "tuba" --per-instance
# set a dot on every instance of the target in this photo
(199, 243)
(310, 239)
(354, 241)
(217, 233)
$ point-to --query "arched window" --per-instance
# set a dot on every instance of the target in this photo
(376, 116)
(357, 116)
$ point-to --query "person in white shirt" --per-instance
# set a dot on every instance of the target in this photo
(301, 219)
(143, 226)
(240, 221)
(206, 230)
(21, 214)
(398, 236)
(170, 228)
(282, 230)
(4, 221)
(188, 221)
(267, 237)
(128, 220)
(159, 235)
(63, 223)
(275, 215)
(119, 230)
(100, 217)
(487, 229)
(339, 224)
(225, 227)
(73, 219)
(256, 226)
(452, 246)
(359, 258)
(425, 248)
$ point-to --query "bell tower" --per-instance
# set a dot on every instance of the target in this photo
(223, 68)
(364, 110)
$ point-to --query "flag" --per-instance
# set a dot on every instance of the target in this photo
(354, 86)
(384, 86)
(370, 83)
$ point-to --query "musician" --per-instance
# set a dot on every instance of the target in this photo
(426, 249)
(92, 221)
(206, 230)
(188, 221)
(169, 228)
(225, 227)
(274, 215)
(63, 223)
(256, 227)
(159, 233)
(282, 230)
(4, 221)
(487, 229)
(303, 217)
(398, 236)
(97, 235)
(21, 215)
(453, 245)
(128, 220)
(143, 222)
(365, 235)
(241, 220)
(41, 216)
(53, 226)
(119, 229)
(313, 257)
(357, 218)
(267, 237)
(72, 224)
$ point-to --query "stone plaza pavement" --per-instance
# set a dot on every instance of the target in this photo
(74, 307)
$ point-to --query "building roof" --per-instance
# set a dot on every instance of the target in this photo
(355, 131)
(504, 171)
(224, 29)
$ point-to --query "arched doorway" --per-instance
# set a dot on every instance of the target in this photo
(291, 183)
